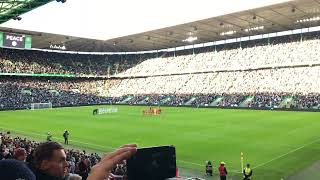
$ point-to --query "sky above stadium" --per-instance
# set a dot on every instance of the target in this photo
(108, 19)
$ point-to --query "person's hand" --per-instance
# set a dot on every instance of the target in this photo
(101, 171)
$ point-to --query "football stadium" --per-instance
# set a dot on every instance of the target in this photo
(154, 90)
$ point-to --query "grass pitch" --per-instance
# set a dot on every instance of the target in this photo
(277, 144)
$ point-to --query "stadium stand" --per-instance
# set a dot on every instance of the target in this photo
(32, 61)
(19, 93)
(249, 65)
(281, 72)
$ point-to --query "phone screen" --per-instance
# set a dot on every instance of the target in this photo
(154, 163)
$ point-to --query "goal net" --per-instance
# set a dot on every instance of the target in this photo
(41, 106)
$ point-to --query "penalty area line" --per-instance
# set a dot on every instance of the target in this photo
(42, 135)
(285, 154)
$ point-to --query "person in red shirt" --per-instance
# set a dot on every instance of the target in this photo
(223, 171)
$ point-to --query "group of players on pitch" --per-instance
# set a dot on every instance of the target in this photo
(247, 171)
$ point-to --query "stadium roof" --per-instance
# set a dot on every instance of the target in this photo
(267, 19)
(14, 8)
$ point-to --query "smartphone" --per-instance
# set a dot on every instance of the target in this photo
(152, 163)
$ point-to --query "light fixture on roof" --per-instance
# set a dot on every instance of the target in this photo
(228, 33)
(58, 46)
(115, 43)
(293, 10)
(313, 19)
(221, 24)
(257, 28)
(17, 18)
(63, 1)
(254, 17)
(190, 39)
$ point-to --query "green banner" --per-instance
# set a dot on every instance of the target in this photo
(28, 42)
(1, 39)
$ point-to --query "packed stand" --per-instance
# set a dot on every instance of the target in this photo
(306, 102)
(257, 101)
(293, 80)
(266, 100)
(19, 93)
(301, 83)
(283, 51)
(204, 100)
(278, 51)
(268, 70)
(232, 100)
(41, 62)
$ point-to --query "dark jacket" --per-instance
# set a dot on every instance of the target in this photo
(42, 175)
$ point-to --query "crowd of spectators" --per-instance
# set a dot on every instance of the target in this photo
(269, 87)
(41, 62)
(259, 100)
(232, 100)
(276, 51)
(268, 100)
(267, 55)
(204, 100)
(19, 93)
(78, 163)
(267, 70)
(306, 102)
(294, 80)
(159, 99)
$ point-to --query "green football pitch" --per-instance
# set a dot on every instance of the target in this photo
(277, 144)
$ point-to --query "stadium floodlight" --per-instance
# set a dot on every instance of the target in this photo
(317, 18)
(17, 18)
(63, 1)
(228, 33)
(190, 39)
(254, 28)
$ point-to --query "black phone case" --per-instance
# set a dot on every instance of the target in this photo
(154, 163)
